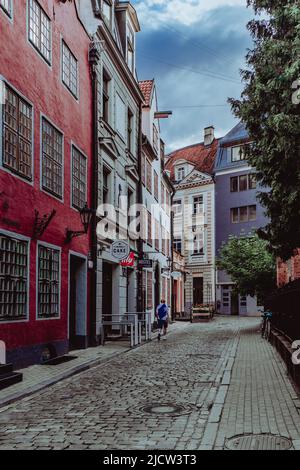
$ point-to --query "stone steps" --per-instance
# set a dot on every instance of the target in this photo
(8, 377)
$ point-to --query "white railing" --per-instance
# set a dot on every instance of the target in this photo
(138, 323)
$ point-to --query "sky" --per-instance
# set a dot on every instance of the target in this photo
(194, 49)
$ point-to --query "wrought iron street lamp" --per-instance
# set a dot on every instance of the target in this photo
(86, 215)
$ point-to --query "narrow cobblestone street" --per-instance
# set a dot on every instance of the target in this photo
(223, 377)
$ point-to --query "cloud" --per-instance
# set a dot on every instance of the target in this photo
(178, 56)
(186, 12)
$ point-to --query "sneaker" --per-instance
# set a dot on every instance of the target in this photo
(159, 336)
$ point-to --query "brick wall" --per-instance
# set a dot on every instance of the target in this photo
(288, 271)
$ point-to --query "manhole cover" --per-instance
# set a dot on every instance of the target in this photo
(258, 442)
(167, 409)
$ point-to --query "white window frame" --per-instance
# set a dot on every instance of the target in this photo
(74, 146)
(241, 153)
(30, 41)
(52, 247)
(7, 10)
(177, 207)
(46, 191)
(64, 46)
(3, 81)
(180, 173)
(28, 240)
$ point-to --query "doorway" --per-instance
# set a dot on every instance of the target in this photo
(197, 291)
(107, 284)
(77, 302)
(234, 303)
(157, 294)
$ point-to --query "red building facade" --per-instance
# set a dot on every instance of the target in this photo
(289, 271)
(45, 173)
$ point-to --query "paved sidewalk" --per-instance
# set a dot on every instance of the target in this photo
(261, 398)
(38, 377)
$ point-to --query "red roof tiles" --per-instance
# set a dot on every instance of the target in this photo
(202, 157)
(146, 87)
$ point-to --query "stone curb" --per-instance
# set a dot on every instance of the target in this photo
(211, 431)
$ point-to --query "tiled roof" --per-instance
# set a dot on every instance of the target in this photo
(202, 157)
(147, 86)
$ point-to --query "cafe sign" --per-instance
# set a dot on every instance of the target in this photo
(120, 250)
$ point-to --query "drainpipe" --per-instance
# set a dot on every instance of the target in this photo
(94, 57)
(140, 300)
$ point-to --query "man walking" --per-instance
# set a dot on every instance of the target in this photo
(162, 315)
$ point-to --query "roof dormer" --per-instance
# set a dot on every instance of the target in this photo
(128, 27)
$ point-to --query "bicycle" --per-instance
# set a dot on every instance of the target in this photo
(266, 325)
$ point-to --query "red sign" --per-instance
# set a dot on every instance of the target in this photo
(129, 261)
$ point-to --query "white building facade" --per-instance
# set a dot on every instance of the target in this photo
(194, 218)
(113, 26)
(156, 199)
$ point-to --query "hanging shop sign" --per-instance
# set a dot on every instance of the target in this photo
(120, 250)
(129, 261)
(145, 263)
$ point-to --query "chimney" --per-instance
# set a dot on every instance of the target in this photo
(209, 135)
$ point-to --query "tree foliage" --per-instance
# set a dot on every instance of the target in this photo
(251, 266)
(270, 109)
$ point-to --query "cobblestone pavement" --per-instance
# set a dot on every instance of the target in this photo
(107, 407)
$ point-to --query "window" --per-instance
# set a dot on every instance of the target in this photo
(105, 97)
(155, 139)
(180, 174)
(163, 240)
(79, 195)
(130, 56)
(69, 70)
(198, 205)
(252, 212)
(6, 6)
(234, 184)
(106, 10)
(242, 183)
(199, 244)
(235, 216)
(252, 181)
(149, 290)
(243, 214)
(243, 301)
(163, 197)
(157, 235)
(155, 185)
(129, 129)
(237, 153)
(40, 30)
(13, 279)
(177, 244)
(130, 49)
(144, 170)
(17, 134)
(177, 208)
(48, 282)
(149, 241)
(120, 116)
(52, 159)
(106, 176)
(149, 176)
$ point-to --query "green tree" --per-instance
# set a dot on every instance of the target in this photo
(251, 266)
(270, 108)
